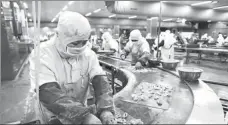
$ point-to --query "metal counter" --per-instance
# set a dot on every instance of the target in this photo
(191, 103)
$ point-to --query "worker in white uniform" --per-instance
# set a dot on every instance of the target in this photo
(139, 49)
(220, 40)
(109, 43)
(167, 50)
(156, 45)
(67, 67)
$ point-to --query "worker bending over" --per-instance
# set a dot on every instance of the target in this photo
(139, 49)
(67, 67)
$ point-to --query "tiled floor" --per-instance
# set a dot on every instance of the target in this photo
(13, 93)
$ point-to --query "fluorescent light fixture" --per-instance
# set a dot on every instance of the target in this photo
(25, 5)
(222, 7)
(167, 19)
(209, 21)
(95, 11)
(53, 20)
(112, 15)
(65, 7)
(29, 15)
(70, 2)
(201, 3)
(88, 14)
(152, 18)
(131, 17)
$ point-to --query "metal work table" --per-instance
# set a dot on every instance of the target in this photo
(192, 103)
(200, 50)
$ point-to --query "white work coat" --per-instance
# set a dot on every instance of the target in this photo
(110, 44)
(137, 49)
(167, 51)
(73, 74)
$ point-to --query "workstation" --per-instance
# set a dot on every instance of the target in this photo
(114, 62)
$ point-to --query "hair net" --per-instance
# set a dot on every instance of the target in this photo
(135, 35)
(72, 27)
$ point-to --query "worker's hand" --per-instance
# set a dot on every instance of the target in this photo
(107, 118)
(138, 65)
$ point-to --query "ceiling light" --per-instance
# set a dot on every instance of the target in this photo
(209, 21)
(95, 11)
(131, 17)
(152, 18)
(53, 20)
(29, 15)
(25, 5)
(167, 19)
(70, 2)
(88, 14)
(64, 8)
(112, 15)
(222, 7)
(201, 3)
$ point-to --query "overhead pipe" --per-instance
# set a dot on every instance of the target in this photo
(151, 8)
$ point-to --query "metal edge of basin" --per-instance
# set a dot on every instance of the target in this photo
(132, 83)
(193, 115)
(193, 119)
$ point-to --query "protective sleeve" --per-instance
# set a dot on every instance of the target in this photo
(145, 53)
(103, 94)
(102, 89)
(56, 101)
(128, 47)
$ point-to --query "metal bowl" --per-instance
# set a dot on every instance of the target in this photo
(153, 62)
(189, 73)
(169, 64)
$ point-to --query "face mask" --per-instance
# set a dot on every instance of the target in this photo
(76, 51)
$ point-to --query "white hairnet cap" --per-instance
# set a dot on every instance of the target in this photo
(72, 26)
(135, 35)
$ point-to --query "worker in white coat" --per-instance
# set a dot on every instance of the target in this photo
(220, 40)
(67, 67)
(156, 45)
(139, 49)
(109, 43)
(167, 50)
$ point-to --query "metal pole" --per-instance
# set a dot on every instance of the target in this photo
(159, 26)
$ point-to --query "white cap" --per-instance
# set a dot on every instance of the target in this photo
(72, 26)
(135, 35)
